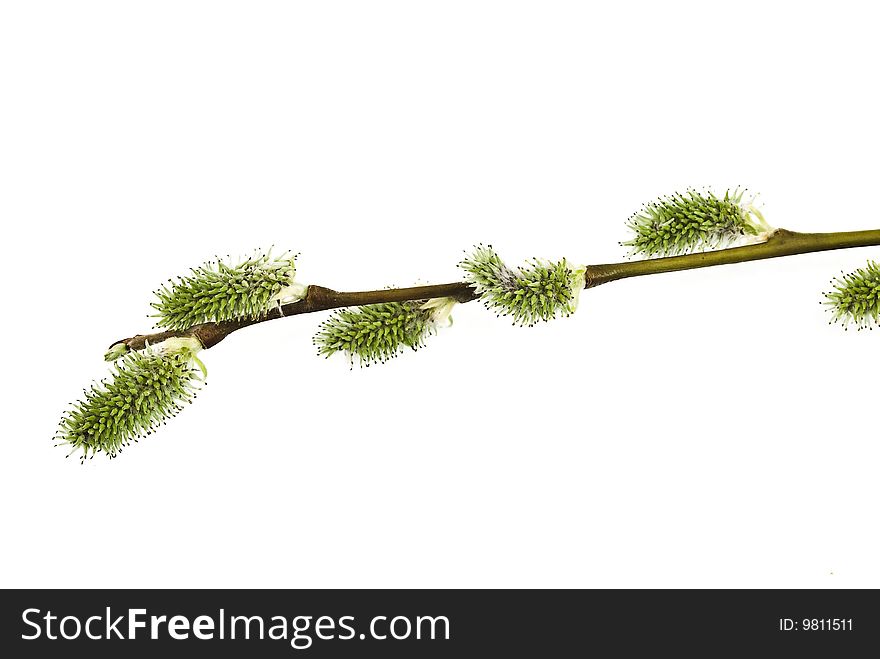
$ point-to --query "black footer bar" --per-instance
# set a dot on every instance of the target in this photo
(427, 623)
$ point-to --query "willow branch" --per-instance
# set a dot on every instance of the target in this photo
(780, 242)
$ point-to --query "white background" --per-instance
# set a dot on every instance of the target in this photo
(693, 429)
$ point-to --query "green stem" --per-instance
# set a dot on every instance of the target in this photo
(781, 242)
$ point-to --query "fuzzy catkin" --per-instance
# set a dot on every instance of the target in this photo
(690, 221)
(216, 291)
(540, 291)
(375, 333)
(146, 388)
(855, 298)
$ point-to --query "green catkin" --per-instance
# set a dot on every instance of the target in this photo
(146, 389)
(856, 297)
(692, 221)
(538, 292)
(378, 332)
(216, 291)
